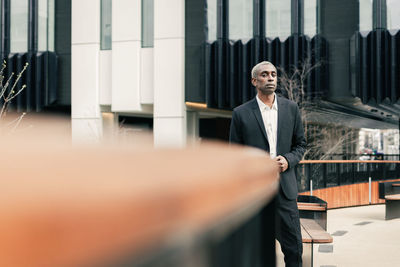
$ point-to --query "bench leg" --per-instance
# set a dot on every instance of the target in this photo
(308, 254)
(392, 209)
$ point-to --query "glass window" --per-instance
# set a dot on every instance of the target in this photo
(310, 17)
(19, 26)
(393, 14)
(212, 19)
(240, 19)
(365, 7)
(50, 25)
(105, 25)
(147, 23)
(278, 18)
(46, 25)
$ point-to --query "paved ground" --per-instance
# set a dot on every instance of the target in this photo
(361, 237)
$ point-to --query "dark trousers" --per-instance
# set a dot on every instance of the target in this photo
(288, 230)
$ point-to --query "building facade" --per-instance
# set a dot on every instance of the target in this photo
(177, 68)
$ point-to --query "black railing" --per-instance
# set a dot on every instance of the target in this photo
(364, 157)
(323, 174)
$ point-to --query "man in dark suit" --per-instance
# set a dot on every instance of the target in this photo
(274, 124)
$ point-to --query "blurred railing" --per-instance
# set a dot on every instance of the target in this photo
(205, 206)
(317, 174)
(364, 157)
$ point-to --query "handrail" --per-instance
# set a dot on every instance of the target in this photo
(91, 206)
(348, 161)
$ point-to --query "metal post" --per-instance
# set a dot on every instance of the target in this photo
(310, 187)
(369, 189)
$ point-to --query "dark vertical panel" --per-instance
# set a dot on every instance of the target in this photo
(376, 78)
(33, 10)
(379, 14)
(20, 99)
(229, 64)
(256, 18)
(40, 66)
(195, 39)
(223, 19)
(5, 27)
(297, 15)
(62, 46)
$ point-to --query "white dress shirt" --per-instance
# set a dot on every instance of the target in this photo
(270, 119)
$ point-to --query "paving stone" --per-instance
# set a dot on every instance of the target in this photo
(325, 248)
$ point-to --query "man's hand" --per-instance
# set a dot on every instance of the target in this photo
(282, 162)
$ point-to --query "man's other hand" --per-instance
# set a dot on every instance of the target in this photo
(282, 162)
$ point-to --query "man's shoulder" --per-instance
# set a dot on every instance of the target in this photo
(245, 106)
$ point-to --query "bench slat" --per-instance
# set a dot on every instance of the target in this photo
(315, 231)
(393, 197)
(306, 238)
(311, 206)
(396, 185)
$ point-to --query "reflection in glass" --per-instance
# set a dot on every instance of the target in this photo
(46, 25)
(278, 18)
(365, 23)
(105, 25)
(393, 14)
(310, 17)
(147, 23)
(50, 25)
(212, 19)
(19, 26)
(240, 19)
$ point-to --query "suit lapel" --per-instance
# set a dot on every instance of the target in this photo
(281, 114)
(257, 114)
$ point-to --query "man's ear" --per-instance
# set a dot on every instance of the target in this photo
(254, 81)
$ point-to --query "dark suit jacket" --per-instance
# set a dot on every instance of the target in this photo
(247, 128)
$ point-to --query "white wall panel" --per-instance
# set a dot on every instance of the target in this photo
(126, 76)
(85, 81)
(169, 132)
(126, 20)
(85, 20)
(85, 47)
(169, 18)
(169, 73)
(147, 76)
(169, 79)
(105, 83)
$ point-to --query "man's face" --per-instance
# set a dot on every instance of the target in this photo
(266, 79)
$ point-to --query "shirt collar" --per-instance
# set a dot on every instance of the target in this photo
(262, 106)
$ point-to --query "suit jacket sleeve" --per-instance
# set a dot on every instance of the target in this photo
(236, 133)
(298, 146)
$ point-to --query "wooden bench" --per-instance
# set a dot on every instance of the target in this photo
(312, 207)
(313, 221)
(390, 191)
(312, 233)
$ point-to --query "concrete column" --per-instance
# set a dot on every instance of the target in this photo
(169, 75)
(126, 45)
(192, 127)
(85, 47)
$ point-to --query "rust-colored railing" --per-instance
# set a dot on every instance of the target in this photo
(63, 206)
